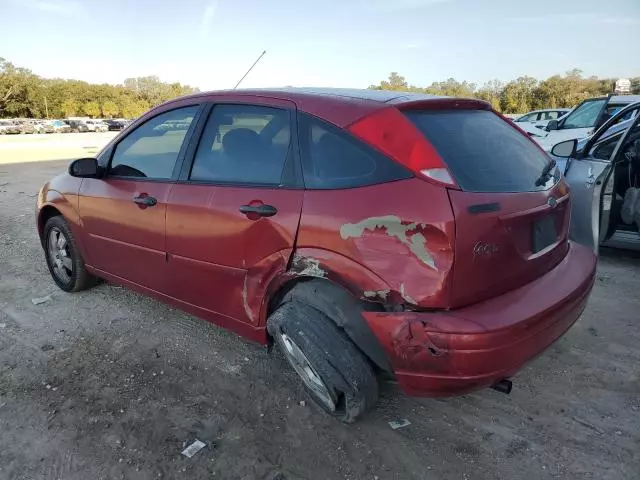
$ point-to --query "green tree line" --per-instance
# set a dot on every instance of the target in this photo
(520, 95)
(24, 94)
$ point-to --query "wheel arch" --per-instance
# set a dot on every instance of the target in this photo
(45, 213)
(53, 203)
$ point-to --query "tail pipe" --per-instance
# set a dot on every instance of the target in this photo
(503, 386)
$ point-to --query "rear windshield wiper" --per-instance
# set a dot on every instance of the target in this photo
(546, 171)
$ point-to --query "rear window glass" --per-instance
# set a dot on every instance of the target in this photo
(483, 152)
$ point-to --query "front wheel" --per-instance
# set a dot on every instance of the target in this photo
(64, 260)
(335, 373)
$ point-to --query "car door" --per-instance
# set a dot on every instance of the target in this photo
(590, 174)
(124, 211)
(233, 217)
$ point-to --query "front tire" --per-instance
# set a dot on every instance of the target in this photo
(64, 260)
(335, 373)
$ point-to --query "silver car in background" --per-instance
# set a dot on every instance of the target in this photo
(600, 170)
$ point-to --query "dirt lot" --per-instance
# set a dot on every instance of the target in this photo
(108, 384)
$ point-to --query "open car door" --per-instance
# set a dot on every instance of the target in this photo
(589, 172)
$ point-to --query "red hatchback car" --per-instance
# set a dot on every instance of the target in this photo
(364, 231)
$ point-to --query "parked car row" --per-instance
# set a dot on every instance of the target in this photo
(69, 125)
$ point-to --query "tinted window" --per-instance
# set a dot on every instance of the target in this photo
(605, 148)
(333, 159)
(483, 152)
(243, 144)
(152, 149)
(551, 115)
(611, 110)
(585, 115)
(531, 117)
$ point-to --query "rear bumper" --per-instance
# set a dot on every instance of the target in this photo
(459, 351)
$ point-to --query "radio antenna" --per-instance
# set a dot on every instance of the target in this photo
(250, 68)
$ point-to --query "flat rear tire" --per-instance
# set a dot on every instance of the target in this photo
(337, 376)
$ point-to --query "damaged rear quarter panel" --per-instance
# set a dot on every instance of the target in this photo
(400, 231)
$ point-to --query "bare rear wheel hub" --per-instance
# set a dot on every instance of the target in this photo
(310, 377)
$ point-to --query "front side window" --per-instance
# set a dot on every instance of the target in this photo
(585, 115)
(243, 144)
(151, 150)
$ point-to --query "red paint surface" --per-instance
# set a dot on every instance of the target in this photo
(122, 238)
(217, 255)
(481, 275)
(61, 194)
(488, 315)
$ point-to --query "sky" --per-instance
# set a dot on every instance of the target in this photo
(330, 43)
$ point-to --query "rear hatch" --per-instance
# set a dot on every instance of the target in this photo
(511, 218)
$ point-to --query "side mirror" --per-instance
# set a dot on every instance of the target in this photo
(552, 125)
(565, 149)
(84, 168)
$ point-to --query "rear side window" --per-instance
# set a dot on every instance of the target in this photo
(243, 144)
(483, 152)
(334, 159)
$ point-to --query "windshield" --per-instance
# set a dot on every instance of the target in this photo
(586, 115)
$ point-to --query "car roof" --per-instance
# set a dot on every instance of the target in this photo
(624, 99)
(620, 99)
(340, 106)
(559, 109)
(291, 93)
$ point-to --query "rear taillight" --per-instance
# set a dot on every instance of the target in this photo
(389, 131)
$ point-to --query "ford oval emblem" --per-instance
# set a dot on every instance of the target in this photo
(552, 202)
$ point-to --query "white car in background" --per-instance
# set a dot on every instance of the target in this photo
(96, 125)
(540, 118)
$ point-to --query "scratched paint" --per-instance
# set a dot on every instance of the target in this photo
(245, 302)
(394, 227)
(406, 296)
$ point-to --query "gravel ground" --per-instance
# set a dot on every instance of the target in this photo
(41, 147)
(109, 384)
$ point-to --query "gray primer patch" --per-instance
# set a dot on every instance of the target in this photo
(308, 266)
(394, 228)
(381, 294)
